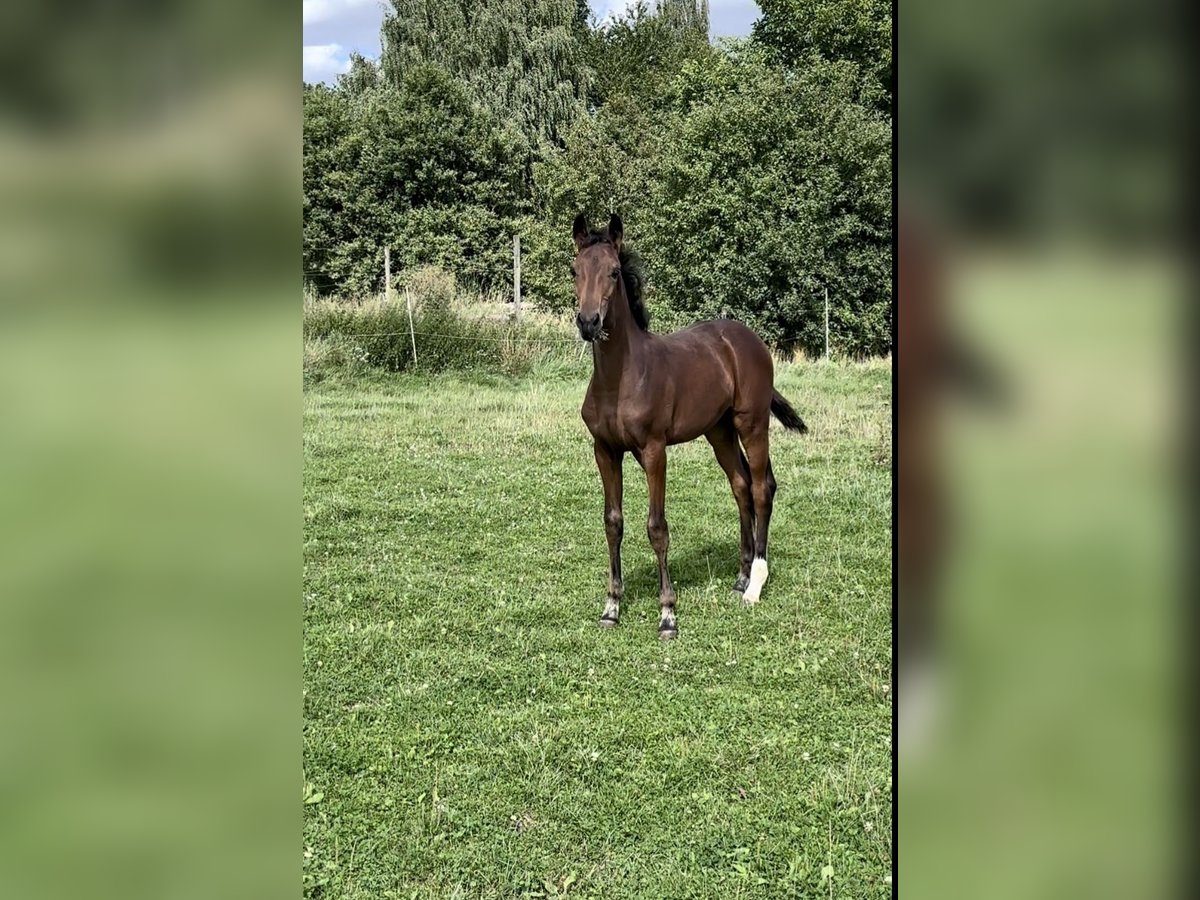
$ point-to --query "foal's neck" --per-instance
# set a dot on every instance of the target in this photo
(612, 356)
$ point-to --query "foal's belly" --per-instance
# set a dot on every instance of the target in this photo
(692, 421)
(635, 432)
(697, 407)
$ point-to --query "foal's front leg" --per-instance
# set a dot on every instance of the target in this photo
(609, 462)
(654, 461)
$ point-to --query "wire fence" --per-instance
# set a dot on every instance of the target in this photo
(467, 337)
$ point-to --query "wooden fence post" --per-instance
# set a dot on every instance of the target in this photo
(387, 273)
(517, 276)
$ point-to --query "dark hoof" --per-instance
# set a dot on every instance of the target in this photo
(667, 632)
(743, 582)
(605, 622)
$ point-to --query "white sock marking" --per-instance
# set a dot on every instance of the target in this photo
(758, 577)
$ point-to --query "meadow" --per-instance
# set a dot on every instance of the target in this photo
(469, 732)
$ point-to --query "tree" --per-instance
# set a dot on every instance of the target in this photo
(771, 188)
(639, 53)
(362, 76)
(420, 167)
(856, 31)
(522, 58)
(606, 159)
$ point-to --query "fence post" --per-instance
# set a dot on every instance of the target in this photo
(827, 322)
(517, 276)
(387, 273)
(411, 333)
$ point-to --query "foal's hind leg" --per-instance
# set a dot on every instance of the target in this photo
(724, 440)
(762, 489)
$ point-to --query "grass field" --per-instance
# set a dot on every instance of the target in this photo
(468, 730)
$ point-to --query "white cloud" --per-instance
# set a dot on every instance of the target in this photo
(353, 24)
(325, 10)
(611, 10)
(324, 62)
(315, 11)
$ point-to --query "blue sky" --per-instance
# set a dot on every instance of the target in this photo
(333, 28)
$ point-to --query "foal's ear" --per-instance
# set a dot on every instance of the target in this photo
(579, 231)
(616, 231)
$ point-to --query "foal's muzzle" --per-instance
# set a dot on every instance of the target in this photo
(589, 326)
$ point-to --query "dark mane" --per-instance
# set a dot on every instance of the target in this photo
(631, 275)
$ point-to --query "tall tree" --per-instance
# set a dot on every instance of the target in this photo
(640, 51)
(856, 31)
(362, 76)
(520, 57)
(606, 160)
(771, 188)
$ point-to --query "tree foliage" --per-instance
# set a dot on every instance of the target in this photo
(801, 32)
(641, 51)
(752, 177)
(419, 167)
(771, 190)
(520, 57)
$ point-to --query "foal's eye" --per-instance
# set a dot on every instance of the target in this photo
(614, 273)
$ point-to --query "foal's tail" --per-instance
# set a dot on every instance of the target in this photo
(786, 414)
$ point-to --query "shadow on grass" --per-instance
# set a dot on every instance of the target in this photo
(689, 566)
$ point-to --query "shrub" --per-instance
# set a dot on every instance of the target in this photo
(429, 286)
(349, 337)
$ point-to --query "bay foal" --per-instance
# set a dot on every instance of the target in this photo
(649, 391)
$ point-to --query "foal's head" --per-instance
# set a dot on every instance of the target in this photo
(597, 271)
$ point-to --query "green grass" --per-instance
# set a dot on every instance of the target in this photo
(469, 731)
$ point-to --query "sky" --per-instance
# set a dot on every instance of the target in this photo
(333, 28)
